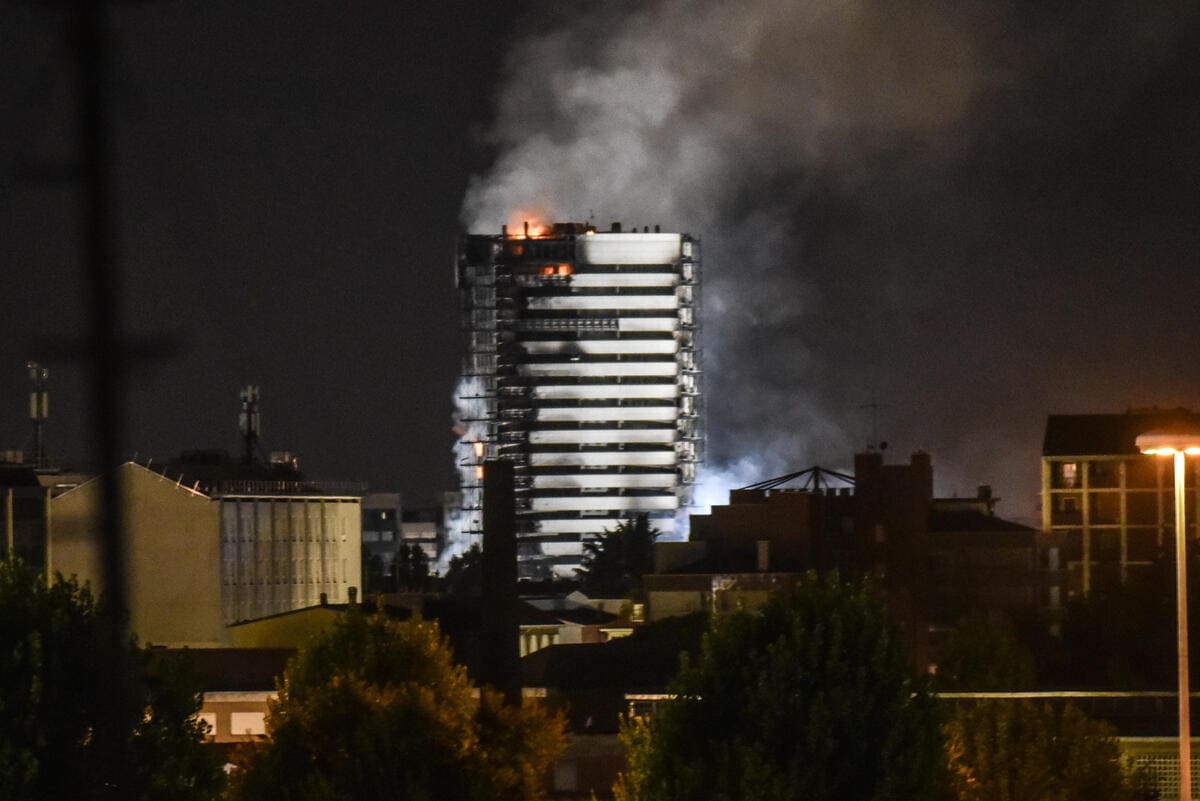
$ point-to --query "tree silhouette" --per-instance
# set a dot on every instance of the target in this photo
(613, 564)
(378, 709)
(1027, 751)
(68, 733)
(808, 698)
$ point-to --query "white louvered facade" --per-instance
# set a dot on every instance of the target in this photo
(581, 369)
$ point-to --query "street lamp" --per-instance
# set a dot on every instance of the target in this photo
(1179, 443)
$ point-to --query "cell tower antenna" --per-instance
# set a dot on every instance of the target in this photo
(39, 410)
(249, 423)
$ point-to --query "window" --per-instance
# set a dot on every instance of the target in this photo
(373, 536)
(242, 723)
(1069, 474)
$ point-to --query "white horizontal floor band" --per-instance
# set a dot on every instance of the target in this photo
(567, 348)
(631, 248)
(600, 369)
(603, 436)
(605, 459)
(664, 481)
(603, 302)
(624, 279)
(606, 503)
(601, 413)
(602, 391)
(648, 324)
(595, 525)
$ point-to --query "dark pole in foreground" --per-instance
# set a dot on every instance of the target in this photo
(100, 280)
(500, 658)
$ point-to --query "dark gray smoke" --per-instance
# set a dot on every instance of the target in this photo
(897, 201)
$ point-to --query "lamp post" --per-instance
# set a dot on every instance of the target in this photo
(1179, 444)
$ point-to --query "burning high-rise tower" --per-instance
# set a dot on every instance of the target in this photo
(581, 369)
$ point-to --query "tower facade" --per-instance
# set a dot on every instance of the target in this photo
(581, 369)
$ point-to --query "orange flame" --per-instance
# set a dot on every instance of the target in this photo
(527, 219)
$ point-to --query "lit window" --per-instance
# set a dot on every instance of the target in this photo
(1070, 472)
(252, 723)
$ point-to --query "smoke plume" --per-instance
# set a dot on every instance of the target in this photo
(843, 162)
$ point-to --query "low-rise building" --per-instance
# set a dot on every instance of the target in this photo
(1106, 508)
(205, 549)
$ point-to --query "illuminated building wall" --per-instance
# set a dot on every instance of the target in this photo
(581, 369)
(1108, 509)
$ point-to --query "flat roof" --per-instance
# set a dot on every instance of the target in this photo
(1107, 434)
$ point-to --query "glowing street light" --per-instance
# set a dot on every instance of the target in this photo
(1179, 443)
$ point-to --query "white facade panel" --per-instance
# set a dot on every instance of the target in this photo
(630, 248)
(560, 302)
(562, 548)
(605, 503)
(598, 369)
(624, 279)
(281, 553)
(596, 525)
(647, 346)
(599, 414)
(615, 391)
(606, 459)
(604, 436)
(648, 324)
(664, 481)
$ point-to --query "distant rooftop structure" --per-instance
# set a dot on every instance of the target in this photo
(1106, 507)
(216, 472)
(1107, 434)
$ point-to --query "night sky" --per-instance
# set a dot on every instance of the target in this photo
(972, 214)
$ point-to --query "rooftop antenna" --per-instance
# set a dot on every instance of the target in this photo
(874, 405)
(249, 424)
(39, 410)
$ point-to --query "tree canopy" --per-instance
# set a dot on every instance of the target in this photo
(984, 653)
(808, 698)
(464, 575)
(1027, 751)
(377, 709)
(82, 721)
(613, 564)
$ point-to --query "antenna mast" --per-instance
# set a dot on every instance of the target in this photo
(39, 410)
(249, 424)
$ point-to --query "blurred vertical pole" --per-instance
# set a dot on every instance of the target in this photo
(101, 282)
(47, 514)
(9, 539)
(500, 656)
(104, 300)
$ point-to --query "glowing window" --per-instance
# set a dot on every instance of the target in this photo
(1070, 473)
(252, 723)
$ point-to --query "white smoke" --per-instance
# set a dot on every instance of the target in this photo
(463, 523)
(719, 119)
